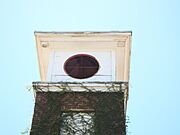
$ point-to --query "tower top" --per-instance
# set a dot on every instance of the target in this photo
(59, 53)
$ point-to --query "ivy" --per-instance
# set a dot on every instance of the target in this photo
(106, 118)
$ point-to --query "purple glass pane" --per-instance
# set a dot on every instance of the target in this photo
(81, 66)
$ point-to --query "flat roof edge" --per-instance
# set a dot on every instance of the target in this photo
(82, 32)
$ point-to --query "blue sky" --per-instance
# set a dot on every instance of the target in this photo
(154, 103)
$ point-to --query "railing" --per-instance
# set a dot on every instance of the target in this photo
(80, 86)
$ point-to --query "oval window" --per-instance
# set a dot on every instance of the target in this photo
(81, 66)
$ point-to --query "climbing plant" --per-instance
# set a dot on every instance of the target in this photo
(106, 115)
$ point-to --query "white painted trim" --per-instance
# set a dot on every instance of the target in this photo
(113, 65)
(50, 66)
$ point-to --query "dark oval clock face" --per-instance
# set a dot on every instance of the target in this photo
(81, 66)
